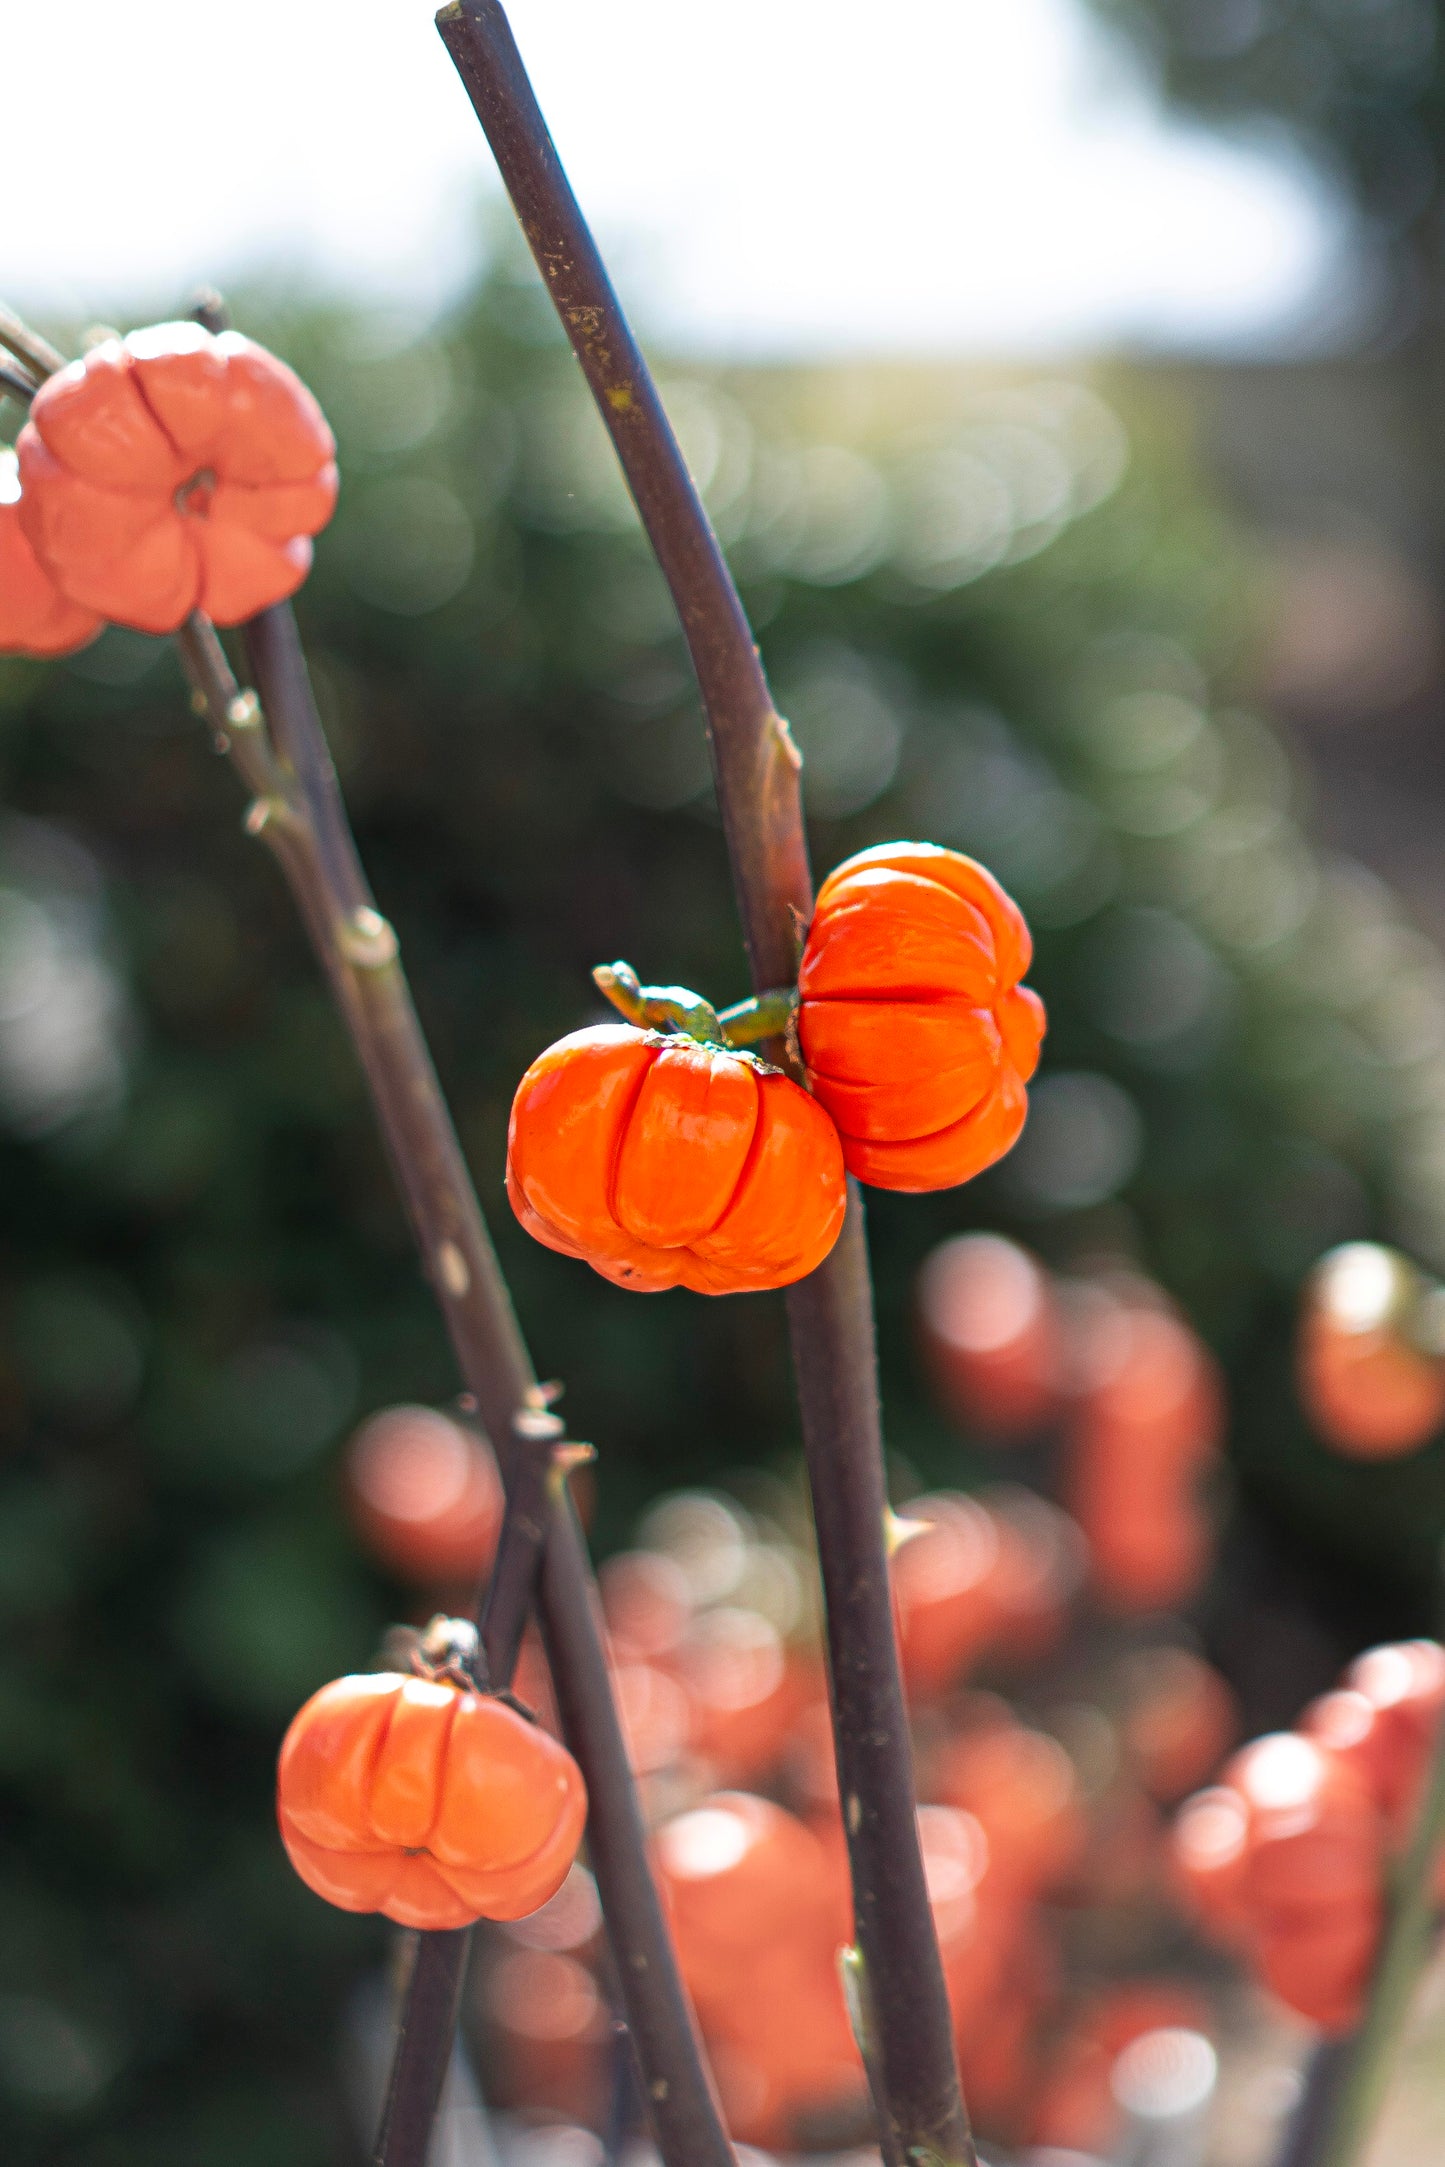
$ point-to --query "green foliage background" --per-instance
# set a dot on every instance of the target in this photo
(999, 618)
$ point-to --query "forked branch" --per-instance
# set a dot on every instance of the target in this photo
(300, 813)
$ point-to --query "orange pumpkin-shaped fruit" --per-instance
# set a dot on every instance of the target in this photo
(35, 617)
(664, 1162)
(173, 471)
(918, 1038)
(427, 1802)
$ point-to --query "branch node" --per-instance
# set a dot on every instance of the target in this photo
(244, 712)
(538, 1426)
(260, 813)
(786, 743)
(368, 941)
(452, 1268)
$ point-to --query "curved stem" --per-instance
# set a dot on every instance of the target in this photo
(921, 2115)
(769, 1015)
(754, 756)
(652, 1007)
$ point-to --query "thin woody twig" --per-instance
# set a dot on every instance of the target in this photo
(359, 951)
(539, 1471)
(898, 1978)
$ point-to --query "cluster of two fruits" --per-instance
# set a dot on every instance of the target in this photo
(673, 1156)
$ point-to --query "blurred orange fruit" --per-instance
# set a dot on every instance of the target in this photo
(424, 1495)
(991, 1334)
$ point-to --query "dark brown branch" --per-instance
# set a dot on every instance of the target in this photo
(830, 1324)
(359, 952)
(297, 809)
(900, 1977)
(756, 763)
(425, 2037)
(539, 1470)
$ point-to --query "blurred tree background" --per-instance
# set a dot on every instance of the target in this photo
(1002, 612)
(1355, 84)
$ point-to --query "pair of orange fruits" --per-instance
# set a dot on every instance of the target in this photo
(675, 1157)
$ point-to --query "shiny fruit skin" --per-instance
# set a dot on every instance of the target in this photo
(431, 1805)
(918, 1038)
(663, 1162)
(174, 471)
(1382, 1720)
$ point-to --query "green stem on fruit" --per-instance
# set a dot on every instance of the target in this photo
(655, 1008)
(756, 767)
(765, 1016)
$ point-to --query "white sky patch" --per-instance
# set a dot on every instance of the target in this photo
(779, 177)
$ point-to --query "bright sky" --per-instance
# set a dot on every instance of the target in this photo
(780, 176)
